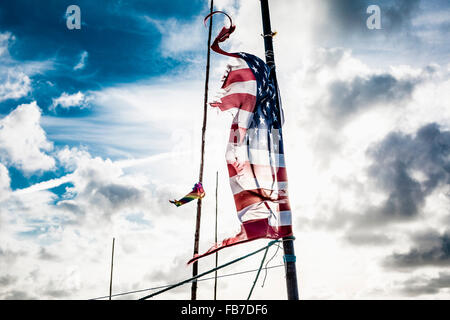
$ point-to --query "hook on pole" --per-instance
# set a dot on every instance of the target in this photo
(223, 35)
(215, 12)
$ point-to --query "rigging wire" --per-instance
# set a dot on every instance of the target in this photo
(257, 274)
(274, 255)
(197, 278)
(205, 279)
(271, 243)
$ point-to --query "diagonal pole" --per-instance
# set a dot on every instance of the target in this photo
(202, 157)
(288, 243)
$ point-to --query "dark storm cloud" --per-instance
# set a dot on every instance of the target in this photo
(7, 280)
(44, 254)
(9, 256)
(368, 239)
(17, 295)
(429, 249)
(410, 33)
(113, 197)
(107, 199)
(399, 13)
(347, 98)
(424, 286)
(117, 194)
(58, 294)
(395, 159)
(71, 207)
(350, 16)
(177, 271)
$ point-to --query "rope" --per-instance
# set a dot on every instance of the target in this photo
(257, 274)
(209, 271)
(199, 280)
(274, 255)
(168, 287)
(261, 266)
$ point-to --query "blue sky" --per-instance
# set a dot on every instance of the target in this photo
(119, 44)
(99, 127)
(116, 45)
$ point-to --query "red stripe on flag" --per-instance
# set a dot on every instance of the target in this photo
(250, 230)
(243, 101)
(248, 197)
(284, 206)
(257, 171)
(238, 76)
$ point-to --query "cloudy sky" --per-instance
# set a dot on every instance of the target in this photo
(101, 126)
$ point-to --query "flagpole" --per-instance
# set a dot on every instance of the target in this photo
(215, 236)
(200, 179)
(111, 276)
(288, 243)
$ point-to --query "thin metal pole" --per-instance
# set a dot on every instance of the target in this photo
(288, 244)
(200, 179)
(112, 264)
(215, 237)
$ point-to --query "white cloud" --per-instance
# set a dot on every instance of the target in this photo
(5, 38)
(179, 37)
(326, 159)
(103, 201)
(14, 84)
(127, 198)
(327, 163)
(23, 143)
(132, 121)
(4, 182)
(68, 101)
(15, 81)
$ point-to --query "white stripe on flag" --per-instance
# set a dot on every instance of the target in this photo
(239, 184)
(243, 118)
(254, 211)
(236, 64)
(242, 154)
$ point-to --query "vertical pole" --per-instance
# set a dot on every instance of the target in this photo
(200, 179)
(112, 263)
(288, 244)
(215, 237)
(290, 268)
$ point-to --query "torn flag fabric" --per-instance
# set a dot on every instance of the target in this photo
(255, 151)
(196, 193)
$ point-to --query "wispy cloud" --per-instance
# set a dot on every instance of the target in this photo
(5, 38)
(83, 60)
(178, 37)
(45, 185)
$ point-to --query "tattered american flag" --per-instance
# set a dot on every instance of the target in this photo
(255, 152)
